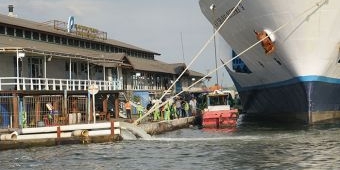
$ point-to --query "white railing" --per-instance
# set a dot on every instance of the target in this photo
(145, 87)
(10, 83)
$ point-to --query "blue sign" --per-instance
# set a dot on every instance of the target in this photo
(70, 24)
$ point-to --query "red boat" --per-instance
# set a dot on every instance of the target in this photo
(218, 113)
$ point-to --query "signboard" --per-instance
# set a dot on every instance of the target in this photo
(93, 89)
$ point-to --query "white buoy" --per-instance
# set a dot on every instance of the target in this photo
(80, 133)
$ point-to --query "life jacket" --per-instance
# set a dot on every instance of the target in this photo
(186, 106)
(128, 105)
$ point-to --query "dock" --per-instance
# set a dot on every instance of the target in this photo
(113, 131)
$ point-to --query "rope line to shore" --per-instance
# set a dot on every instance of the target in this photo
(191, 62)
(318, 5)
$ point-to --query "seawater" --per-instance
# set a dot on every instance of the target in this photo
(249, 146)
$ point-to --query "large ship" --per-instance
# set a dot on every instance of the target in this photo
(294, 73)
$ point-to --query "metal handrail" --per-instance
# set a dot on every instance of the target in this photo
(25, 83)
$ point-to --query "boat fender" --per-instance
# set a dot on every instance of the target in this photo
(232, 115)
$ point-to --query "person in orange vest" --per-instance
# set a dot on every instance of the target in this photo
(128, 109)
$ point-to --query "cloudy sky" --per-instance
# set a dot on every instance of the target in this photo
(154, 25)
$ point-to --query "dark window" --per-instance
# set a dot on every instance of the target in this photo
(67, 66)
(57, 40)
(93, 46)
(64, 41)
(43, 37)
(10, 31)
(50, 38)
(82, 44)
(102, 47)
(87, 44)
(35, 36)
(70, 41)
(112, 49)
(28, 34)
(107, 48)
(76, 43)
(19, 33)
(97, 46)
(2, 29)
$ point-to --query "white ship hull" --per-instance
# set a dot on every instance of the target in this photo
(300, 79)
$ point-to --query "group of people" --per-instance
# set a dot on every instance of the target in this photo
(171, 110)
(175, 109)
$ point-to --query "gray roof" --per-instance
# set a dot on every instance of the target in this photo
(57, 50)
(150, 65)
(159, 66)
(50, 29)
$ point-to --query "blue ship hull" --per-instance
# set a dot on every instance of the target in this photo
(308, 99)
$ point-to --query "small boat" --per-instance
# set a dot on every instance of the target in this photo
(218, 113)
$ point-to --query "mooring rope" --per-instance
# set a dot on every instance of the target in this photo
(192, 61)
(318, 5)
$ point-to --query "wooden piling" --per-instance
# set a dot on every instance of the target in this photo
(15, 111)
(58, 135)
(105, 110)
(37, 110)
(116, 105)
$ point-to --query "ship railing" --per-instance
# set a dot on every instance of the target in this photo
(23, 83)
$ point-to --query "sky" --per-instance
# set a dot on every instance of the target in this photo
(162, 26)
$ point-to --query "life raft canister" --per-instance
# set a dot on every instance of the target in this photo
(267, 43)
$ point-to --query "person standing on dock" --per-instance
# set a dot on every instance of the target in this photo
(192, 104)
(179, 107)
(167, 111)
(140, 110)
(128, 109)
(173, 111)
(186, 108)
(156, 113)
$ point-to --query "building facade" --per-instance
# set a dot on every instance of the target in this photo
(55, 62)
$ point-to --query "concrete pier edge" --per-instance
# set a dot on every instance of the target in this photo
(151, 128)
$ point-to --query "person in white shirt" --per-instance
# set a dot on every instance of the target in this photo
(192, 104)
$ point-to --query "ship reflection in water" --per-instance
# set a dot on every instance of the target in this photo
(248, 146)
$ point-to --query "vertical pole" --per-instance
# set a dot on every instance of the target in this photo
(15, 111)
(94, 109)
(88, 71)
(105, 84)
(213, 14)
(105, 110)
(104, 73)
(112, 127)
(116, 105)
(65, 103)
(58, 135)
(46, 83)
(18, 87)
(21, 111)
(45, 67)
(37, 110)
(70, 66)
(88, 107)
(118, 78)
